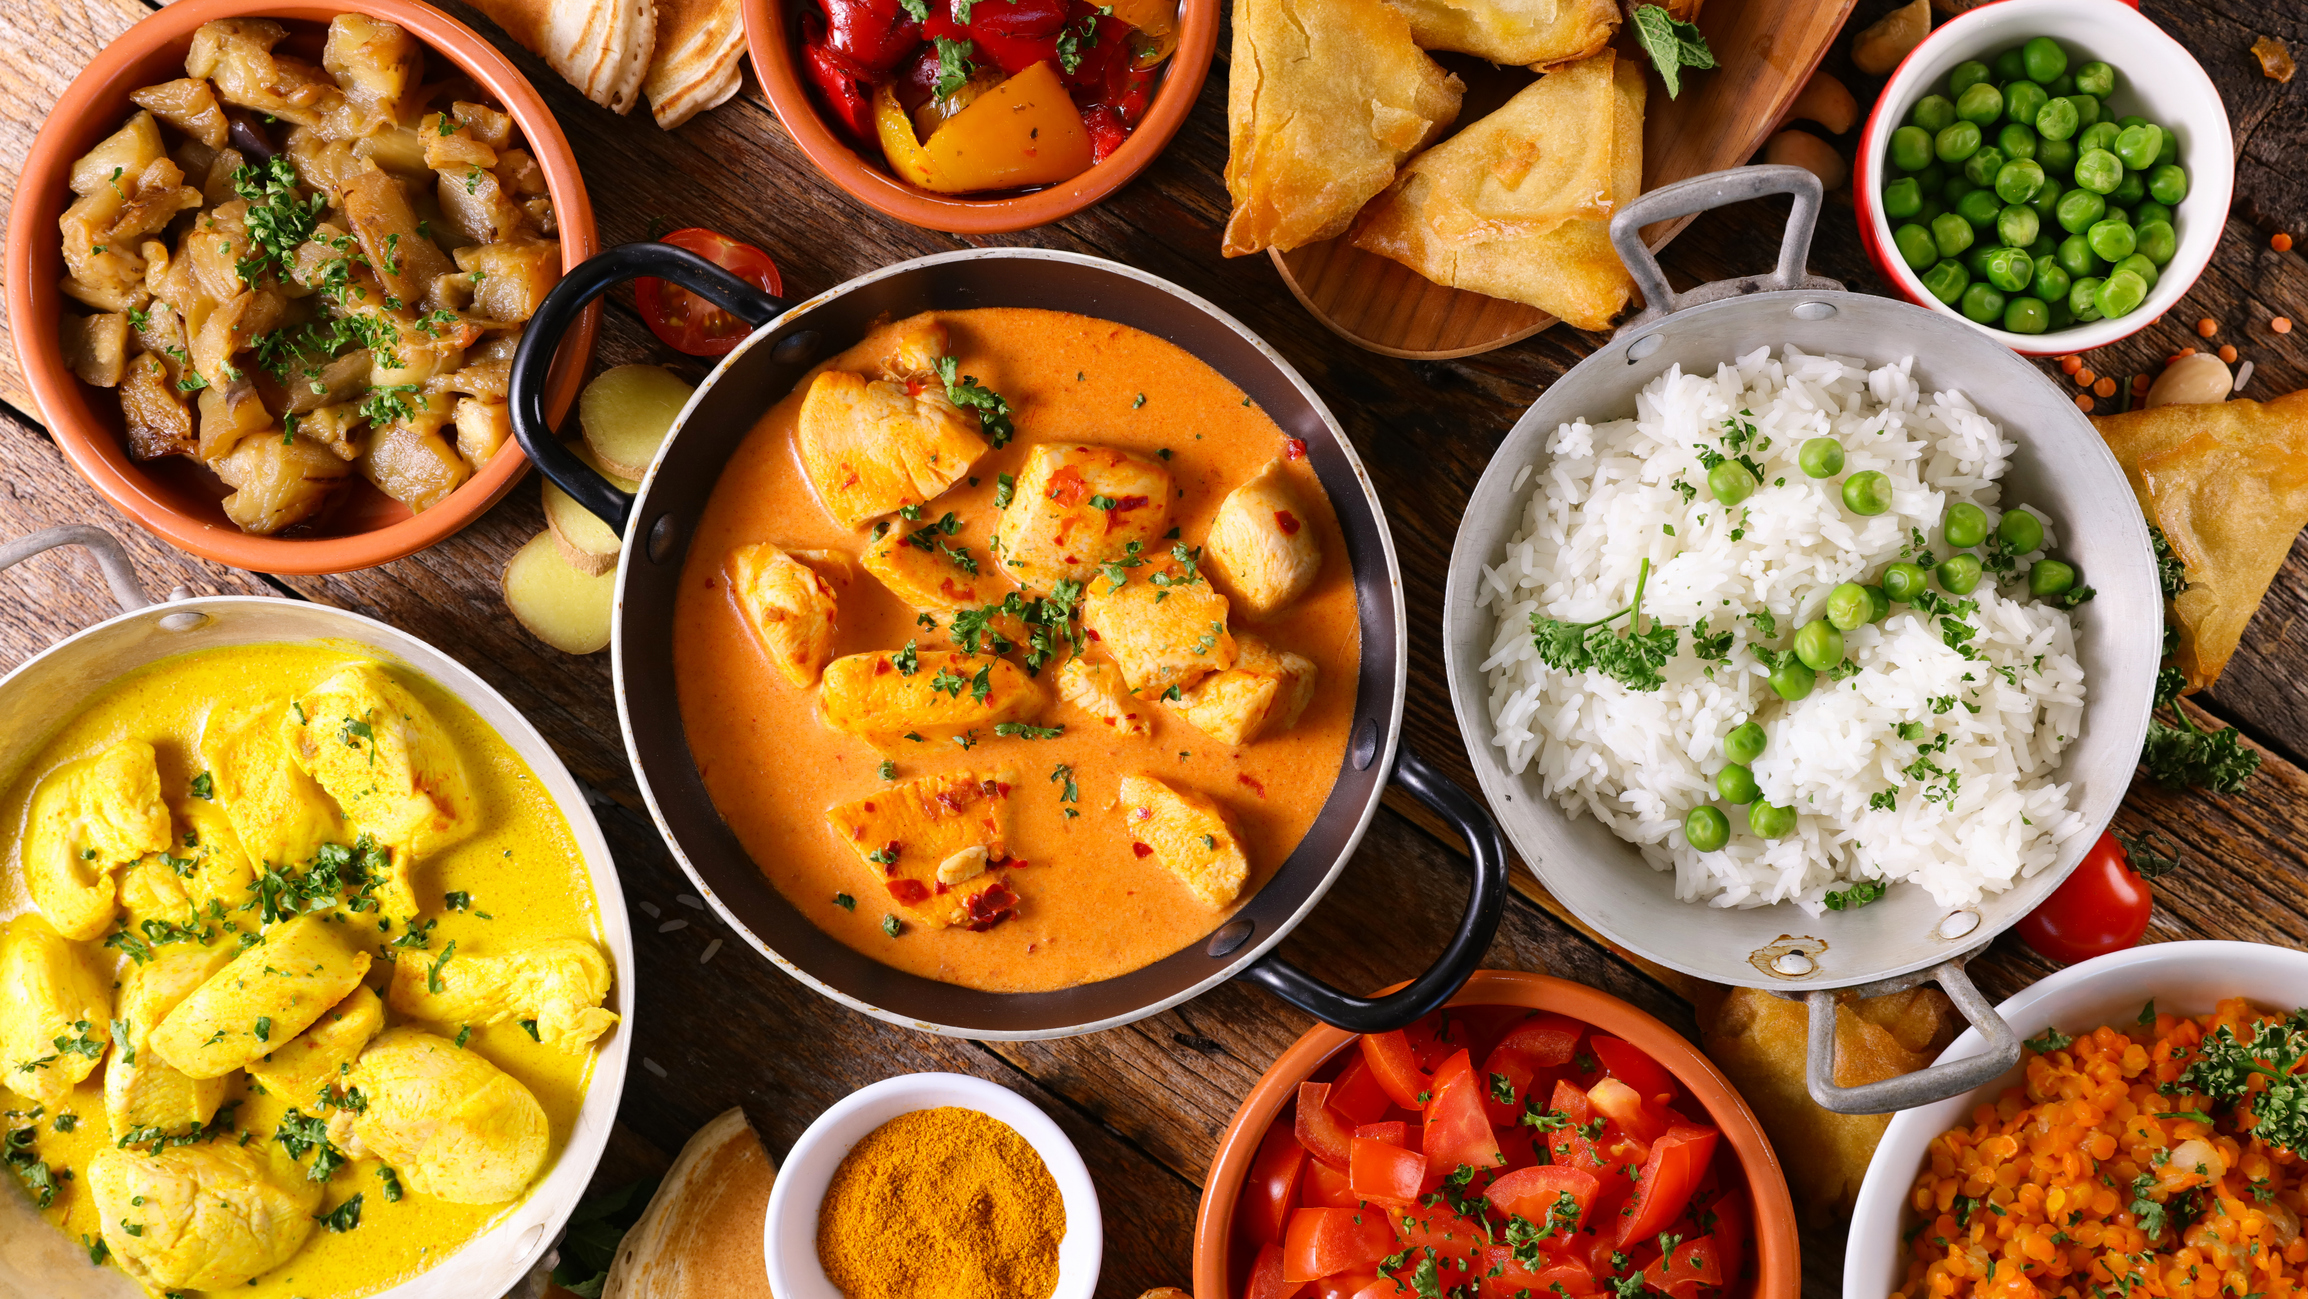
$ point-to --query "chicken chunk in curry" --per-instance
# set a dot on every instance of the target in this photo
(142, 1091)
(201, 1217)
(556, 985)
(1260, 548)
(55, 1011)
(1263, 693)
(925, 696)
(1188, 834)
(875, 446)
(453, 1124)
(790, 607)
(1165, 628)
(89, 818)
(928, 845)
(1076, 508)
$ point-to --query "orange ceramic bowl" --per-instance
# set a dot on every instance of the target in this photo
(175, 497)
(1778, 1264)
(769, 36)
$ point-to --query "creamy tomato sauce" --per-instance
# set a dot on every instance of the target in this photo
(1090, 906)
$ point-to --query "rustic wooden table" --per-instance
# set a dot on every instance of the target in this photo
(1147, 1103)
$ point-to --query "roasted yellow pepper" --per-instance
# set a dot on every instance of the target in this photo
(1025, 131)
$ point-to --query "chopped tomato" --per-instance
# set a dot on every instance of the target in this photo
(688, 323)
(1504, 1278)
(1574, 1276)
(1480, 1028)
(1732, 1225)
(1356, 1093)
(1344, 1285)
(1570, 1146)
(1623, 1105)
(1541, 1040)
(1681, 1273)
(1266, 1280)
(1395, 1133)
(1271, 1190)
(1386, 1173)
(1626, 1062)
(1457, 1131)
(1394, 1063)
(1457, 1242)
(1517, 1145)
(1677, 1161)
(1433, 1038)
(1321, 1242)
(1538, 1197)
(1326, 1188)
(1320, 1128)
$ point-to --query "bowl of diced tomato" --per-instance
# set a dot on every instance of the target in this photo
(1535, 1138)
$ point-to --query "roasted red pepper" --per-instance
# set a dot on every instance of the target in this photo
(873, 34)
(1017, 34)
(846, 87)
(1106, 131)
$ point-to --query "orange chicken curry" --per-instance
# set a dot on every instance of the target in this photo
(1018, 647)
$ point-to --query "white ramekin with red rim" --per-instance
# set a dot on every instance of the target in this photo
(2155, 78)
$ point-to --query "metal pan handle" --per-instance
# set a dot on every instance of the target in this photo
(111, 556)
(1704, 194)
(1459, 960)
(534, 358)
(1942, 1080)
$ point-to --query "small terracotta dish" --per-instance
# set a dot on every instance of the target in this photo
(1778, 1266)
(174, 497)
(769, 37)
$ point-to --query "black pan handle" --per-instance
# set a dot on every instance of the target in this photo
(534, 358)
(1443, 979)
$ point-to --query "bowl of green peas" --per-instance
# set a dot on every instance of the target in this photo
(2055, 172)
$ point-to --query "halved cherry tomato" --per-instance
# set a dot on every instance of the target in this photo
(1266, 1278)
(1394, 1062)
(1621, 1104)
(1534, 1194)
(1457, 1131)
(1321, 1129)
(688, 323)
(1271, 1190)
(1356, 1093)
(1324, 1241)
(2103, 907)
(1626, 1062)
(1387, 1174)
(1678, 1160)
(1681, 1273)
(1327, 1188)
(1395, 1133)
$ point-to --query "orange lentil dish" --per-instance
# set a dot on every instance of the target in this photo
(2151, 1160)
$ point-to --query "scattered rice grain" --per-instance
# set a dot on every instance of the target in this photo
(710, 949)
(671, 925)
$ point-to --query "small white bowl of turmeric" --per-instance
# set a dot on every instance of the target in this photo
(933, 1186)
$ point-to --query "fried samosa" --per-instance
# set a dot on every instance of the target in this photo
(1326, 99)
(1518, 205)
(2227, 484)
(1531, 32)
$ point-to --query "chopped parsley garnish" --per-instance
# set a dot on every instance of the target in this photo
(300, 1133)
(204, 785)
(1633, 660)
(845, 901)
(891, 925)
(965, 391)
(908, 660)
(344, 1217)
(392, 1181)
(1028, 730)
(433, 974)
(2225, 1067)
(458, 901)
(278, 219)
(39, 1179)
(2185, 754)
(1005, 489)
(1858, 895)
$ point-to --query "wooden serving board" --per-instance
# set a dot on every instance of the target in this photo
(1764, 51)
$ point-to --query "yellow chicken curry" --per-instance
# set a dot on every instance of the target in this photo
(301, 978)
(1017, 647)
(297, 272)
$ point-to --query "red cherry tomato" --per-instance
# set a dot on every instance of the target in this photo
(688, 323)
(2102, 908)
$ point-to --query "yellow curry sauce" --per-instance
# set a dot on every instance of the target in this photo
(1090, 907)
(526, 881)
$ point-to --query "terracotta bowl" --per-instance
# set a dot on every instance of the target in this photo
(174, 497)
(769, 37)
(1778, 1265)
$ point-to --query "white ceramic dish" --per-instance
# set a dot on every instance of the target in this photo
(2188, 978)
(2155, 78)
(789, 1232)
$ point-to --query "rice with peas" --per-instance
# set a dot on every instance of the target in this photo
(1930, 762)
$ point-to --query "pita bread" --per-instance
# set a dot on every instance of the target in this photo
(1505, 207)
(1325, 100)
(700, 54)
(2227, 482)
(1533, 32)
(602, 47)
(700, 1238)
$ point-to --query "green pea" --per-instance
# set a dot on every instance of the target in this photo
(1932, 207)
(2018, 180)
(2157, 242)
(2015, 140)
(1821, 457)
(2078, 209)
(2137, 146)
(2097, 135)
(1868, 492)
(1976, 260)
(1955, 187)
(2018, 225)
(2044, 58)
(1903, 582)
(1878, 604)
(2021, 531)
(1730, 482)
(2076, 257)
(2063, 84)
(2151, 210)
(2056, 157)
(2129, 192)
(1933, 113)
(2060, 316)
(2058, 119)
(1931, 178)
(1958, 574)
(1849, 607)
(2022, 100)
(2171, 150)
(1964, 526)
(2098, 171)
(2111, 239)
(2087, 108)
(1770, 822)
(2051, 282)
(2140, 266)
(2011, 65)
(1745, 743)
(2043, 245)
(1735, 784)
(1945, 281)
(2097, 79)
(1952, 233)
(1981, 168)
(2167, 183)
(2084, 298)
(2010, 269)
(2045, 203)
(1819, 645)
(2130, 120)
(1980, 208)
(1967, 74)
(1982, 103)
(1791, 680)
(2050, 577)
(1956, 141)
(2025, 315)
(2116, 212)
(2120, 293)
(1915, 246)
(1706, 828)
(1902, 198)
(1911, 148)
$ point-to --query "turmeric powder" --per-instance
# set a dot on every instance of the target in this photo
(943, 1203)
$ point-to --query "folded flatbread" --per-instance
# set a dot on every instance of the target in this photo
(602, 47)
(1534, 32)
(700, 52)
(1325, 100)
(2227, 483)
(1518, 205)
(700, 1238)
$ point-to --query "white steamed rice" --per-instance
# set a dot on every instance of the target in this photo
(1606, 500)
